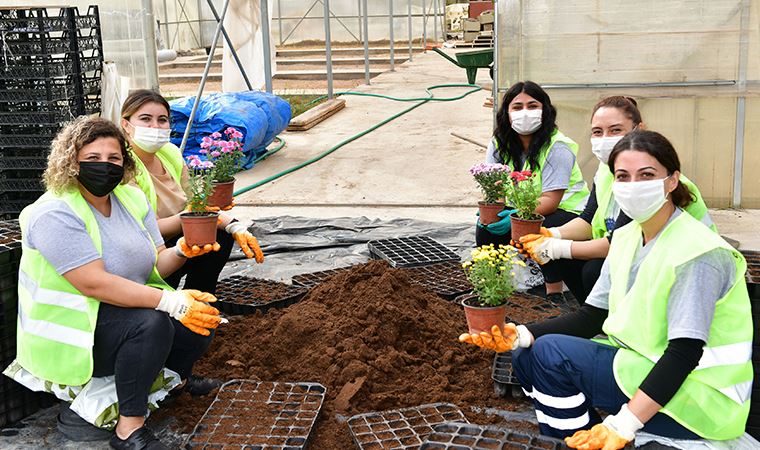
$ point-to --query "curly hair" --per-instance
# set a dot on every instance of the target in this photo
(63, 165)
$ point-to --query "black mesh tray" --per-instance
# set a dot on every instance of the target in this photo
(47, 116)
(401, 428)
(285, 414)
(446, 279)
(28, 19)
(505, 382)
(10, 241)
(753, 273)
(309, 280)
(411, 251)
(36, 91)
(463, 436)
(9, 164)
(17, 50)
(54, 66)
(235, 297)
(518, 301)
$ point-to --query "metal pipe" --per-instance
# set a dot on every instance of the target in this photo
(151, 54)
(359, 7)
(435, 21)
(637, 85)
(495, 87)
(424, 25)
(231, 47)
(409, 26)
(203, 78)
(265, 34)
(166, 24)
(390, 20)
(279, 18)
(328, 50)
(366, 42)
(200, 28)
(741, 109)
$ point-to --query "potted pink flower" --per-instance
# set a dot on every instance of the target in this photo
(198, 224)
(225, 151)
(522, 192)
(491, 179)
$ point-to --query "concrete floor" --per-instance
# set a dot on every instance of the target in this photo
(410, 167)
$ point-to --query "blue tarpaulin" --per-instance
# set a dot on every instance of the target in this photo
(258, 115)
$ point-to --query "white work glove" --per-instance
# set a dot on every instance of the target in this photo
(624, 423)
(545, 249)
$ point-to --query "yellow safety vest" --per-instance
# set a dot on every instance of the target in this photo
(171, 158)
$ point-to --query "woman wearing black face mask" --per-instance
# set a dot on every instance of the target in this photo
(94, 309)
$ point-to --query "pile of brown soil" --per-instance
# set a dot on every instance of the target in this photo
(376, 342)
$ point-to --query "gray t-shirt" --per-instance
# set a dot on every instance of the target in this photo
(61, 237)
(557, 169)
(698, 286)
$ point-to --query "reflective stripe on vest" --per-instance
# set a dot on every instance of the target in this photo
(56, 322)
(171, 158)
(576, 195)
(603, 180)
(713, 401)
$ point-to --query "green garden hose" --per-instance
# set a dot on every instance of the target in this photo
(420, 102)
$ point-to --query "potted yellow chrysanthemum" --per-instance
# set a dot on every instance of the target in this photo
(491, 272)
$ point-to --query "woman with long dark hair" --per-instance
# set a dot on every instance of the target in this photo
(527, 138)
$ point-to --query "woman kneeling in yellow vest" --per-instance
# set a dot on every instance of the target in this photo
(673, 304)
(92, 300)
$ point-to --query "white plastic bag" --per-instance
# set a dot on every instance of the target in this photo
(528, 276)
(113, 91)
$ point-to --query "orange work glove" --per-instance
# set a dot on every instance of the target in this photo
(190, 308)
(223, 208)
(184, 250)
(245, 240)
(612, 434)
(508, 339)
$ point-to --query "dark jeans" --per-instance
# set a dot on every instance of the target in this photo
(579, 275)
(134, 344)
(568, 377)
(202, 271)
(555, 219)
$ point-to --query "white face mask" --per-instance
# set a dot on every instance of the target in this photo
(526, 121)
(602, 147)
(150, 139)
(640, 200)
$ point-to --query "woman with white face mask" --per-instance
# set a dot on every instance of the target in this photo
(672, 302)
(163, 177)
(527, 138)
(577, 249)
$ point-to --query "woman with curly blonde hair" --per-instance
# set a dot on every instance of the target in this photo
(94, 309)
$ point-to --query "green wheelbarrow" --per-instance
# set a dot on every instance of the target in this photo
(471, 61)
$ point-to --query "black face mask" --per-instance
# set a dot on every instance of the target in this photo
(100, 178)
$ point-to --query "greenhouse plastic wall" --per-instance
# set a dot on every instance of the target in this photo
(121, 24)
(692, 65)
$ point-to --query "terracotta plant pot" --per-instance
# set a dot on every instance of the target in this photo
(521, 227)
(221, 195)
(199, 228)
(489, 212)
(482, 318)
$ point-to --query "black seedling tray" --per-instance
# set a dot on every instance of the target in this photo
(309, 280)
(52, 66)
(234, 295)
(401, 428)
(288, 412)
(50, 90)
(505, 382)
(36, 19)
(537, 304)
(446, 279)
(49, 45)
(10, 241)
(12, 164)
(463, 436)
(411, 251)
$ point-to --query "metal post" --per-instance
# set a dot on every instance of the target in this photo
(231, 47)
(495, 88)
(366, 41)
(267, 45)
(151, 54)
(328, 50)
(166, 25)
(390, 16)
(435, 22)
(424, 25)
(741, 104)
(409, 26)
(200, 24)
(359, 6)
(204, 77)
(279, 17)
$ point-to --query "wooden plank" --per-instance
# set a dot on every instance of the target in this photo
(317, 114)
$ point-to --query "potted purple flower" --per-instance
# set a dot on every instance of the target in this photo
(225, 151)
(198, 224)
(491, 179)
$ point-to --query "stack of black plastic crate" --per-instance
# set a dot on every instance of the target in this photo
(50, 73)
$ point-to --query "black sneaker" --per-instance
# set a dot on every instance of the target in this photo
(196, 385)
(140, 439)
(77, 429)
(557, 299)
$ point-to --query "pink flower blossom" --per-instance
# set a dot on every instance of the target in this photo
(216, 135)
(215, 154)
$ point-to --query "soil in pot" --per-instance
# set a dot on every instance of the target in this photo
(521, 227)
(221, 195)
(489, 212)
(199, 228)
(482, 318)
(369, 321)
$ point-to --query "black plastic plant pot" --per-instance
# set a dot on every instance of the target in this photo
(401, 428)
(457, 436)
(310, 280)
(446, 279)
(411, 251)
(505, 382)
(246, 295)
(249, 414)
